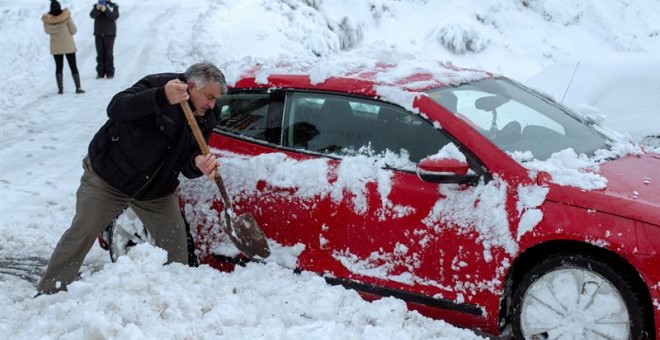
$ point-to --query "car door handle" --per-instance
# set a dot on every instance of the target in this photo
(265, 186)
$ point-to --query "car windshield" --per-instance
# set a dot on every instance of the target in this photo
(516, 118)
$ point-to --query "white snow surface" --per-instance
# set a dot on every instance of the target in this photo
(44, 136)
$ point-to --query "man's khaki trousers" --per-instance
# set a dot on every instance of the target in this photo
(97, 205)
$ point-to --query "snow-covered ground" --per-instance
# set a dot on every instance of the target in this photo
(44, 136)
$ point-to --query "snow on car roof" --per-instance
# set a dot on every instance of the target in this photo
(412, 74)
(397, 78)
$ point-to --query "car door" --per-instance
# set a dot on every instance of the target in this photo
(400, 246)
(318, 132)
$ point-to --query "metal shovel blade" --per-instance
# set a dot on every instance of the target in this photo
(247, 236)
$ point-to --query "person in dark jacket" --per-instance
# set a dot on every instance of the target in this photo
(105, 14)
(59, 24)
(135, 160)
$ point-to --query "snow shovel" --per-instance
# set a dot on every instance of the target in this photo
(243, 230)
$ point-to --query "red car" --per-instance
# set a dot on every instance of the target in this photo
(469, 196)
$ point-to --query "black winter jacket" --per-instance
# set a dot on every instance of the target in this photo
(146, 143)
(104, 22)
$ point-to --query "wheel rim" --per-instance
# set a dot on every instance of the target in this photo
(574, 303)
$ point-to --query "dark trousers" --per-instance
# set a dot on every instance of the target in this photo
(105, 65)
(59, 63)
(97, 204)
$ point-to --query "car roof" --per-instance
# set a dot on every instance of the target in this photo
(361, 79)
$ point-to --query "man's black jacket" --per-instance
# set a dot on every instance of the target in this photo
(104, 22)
(147, 143)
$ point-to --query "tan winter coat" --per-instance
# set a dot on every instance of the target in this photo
(61, 29)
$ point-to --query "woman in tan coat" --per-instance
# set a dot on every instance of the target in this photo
(61, 28)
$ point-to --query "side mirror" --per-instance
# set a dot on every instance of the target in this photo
(445, 170)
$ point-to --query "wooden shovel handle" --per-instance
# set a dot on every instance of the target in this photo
(195, 128)
(205, 150)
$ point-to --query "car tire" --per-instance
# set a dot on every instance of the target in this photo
(576, 296)
(124, 233)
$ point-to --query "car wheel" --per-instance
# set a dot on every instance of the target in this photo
(576, 296)
(126, 232)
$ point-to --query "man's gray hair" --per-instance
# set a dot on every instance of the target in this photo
(204, 73)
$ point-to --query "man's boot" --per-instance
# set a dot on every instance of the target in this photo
(60, 83)
(76, 80)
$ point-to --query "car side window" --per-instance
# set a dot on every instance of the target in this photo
(324, 123)
(344, 125)
(254, 115)
(398, 130)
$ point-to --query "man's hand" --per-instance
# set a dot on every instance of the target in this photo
(176, 91)
(207, 164)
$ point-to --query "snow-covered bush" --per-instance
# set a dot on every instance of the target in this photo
(461, 37)
(350, 33)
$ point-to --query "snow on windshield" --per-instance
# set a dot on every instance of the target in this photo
(566, 168)
(569, 168)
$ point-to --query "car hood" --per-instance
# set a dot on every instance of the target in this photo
(633, 189)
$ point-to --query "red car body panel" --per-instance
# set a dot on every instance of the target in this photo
(445, 264)
(632, 189)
